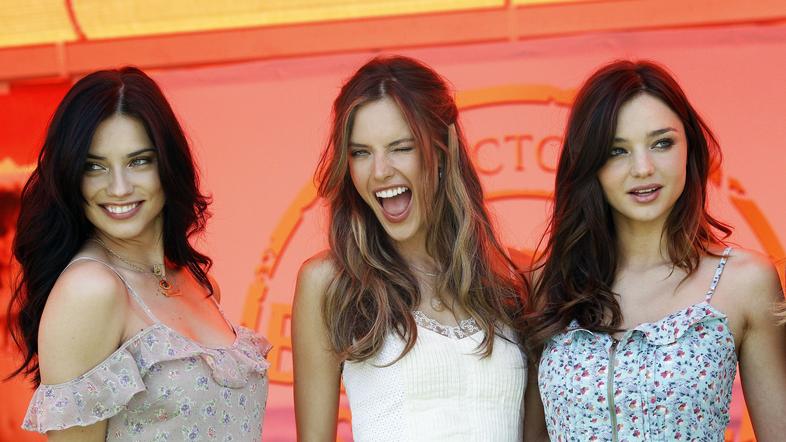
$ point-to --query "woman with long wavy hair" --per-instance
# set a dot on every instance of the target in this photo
(640, 308)
(416, 303)
(118, 318)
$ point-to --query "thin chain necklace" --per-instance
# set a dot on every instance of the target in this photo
(436, 301)
(158, 271)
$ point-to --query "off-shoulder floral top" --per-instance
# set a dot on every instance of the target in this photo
(162, 386)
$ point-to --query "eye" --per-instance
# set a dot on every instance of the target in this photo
(358, 153)
(663, 143)
(617, 151)
(140, 161)
(404, 149)
(93, 167)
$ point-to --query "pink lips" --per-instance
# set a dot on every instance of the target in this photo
(122, 216)
(645, 194)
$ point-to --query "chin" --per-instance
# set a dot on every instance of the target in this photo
(400, 233)
(646, 216)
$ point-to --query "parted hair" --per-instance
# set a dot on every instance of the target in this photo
(52, 225)
(374, 291)
(579, 261)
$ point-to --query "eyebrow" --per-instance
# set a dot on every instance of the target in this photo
(654, 133)
(399, 141)
(131, 155)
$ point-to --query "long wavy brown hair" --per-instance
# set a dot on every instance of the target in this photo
(374, 291)
(579, 261)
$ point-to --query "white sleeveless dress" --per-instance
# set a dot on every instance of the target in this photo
(441, 390)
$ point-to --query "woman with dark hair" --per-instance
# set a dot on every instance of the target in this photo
(416, 303)
(118, 319)
(640, 335)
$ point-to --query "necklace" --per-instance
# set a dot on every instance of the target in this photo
(158, 271)
(436, 301)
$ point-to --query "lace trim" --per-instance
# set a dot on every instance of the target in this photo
(465, 328)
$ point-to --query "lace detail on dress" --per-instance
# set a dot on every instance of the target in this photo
(466, 327)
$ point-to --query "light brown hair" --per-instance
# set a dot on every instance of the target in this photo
(374, 291)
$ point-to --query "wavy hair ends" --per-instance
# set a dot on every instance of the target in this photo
(374, 291)
(580, 259)
(52, 225)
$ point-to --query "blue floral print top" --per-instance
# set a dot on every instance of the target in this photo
(669, 380)
(162, 386)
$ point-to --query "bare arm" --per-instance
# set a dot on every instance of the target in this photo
(763, 350)
(316, 365)
(534, 418)
(82, 324)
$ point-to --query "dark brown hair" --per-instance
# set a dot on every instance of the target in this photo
(374, 291)
(52, 224)
(580, 259)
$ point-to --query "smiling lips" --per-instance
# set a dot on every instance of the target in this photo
(121, 211)
(645, 194)
(395, 202)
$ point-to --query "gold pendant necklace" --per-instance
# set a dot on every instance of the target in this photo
(158, 271)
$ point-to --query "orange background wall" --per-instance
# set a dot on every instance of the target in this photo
(258, 128)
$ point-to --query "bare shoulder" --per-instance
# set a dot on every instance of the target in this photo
(753, 270)
(753, 280)
(317, 273)
(313, 280)
(89, 285)
(83, 321)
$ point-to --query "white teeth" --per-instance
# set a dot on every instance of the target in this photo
(119, 210)
(389, 193)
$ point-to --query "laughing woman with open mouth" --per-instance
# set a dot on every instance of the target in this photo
(415, 303)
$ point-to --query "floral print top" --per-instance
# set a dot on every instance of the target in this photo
(669, 380)
(162, 386)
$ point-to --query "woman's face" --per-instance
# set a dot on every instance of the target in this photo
(385, 166)
(646, 168)
(121, 185)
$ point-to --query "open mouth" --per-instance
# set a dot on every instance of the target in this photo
(121, 211)
(645, 193)
(395, 202)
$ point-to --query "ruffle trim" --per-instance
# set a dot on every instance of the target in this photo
(105, 390)
(667, 330)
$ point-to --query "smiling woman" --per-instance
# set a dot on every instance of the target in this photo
(103, 236)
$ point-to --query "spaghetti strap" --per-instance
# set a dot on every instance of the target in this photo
(221, 312)
(130, 289)
(717, 276)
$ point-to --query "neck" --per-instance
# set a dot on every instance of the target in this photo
(414, 252)
(145, 251)
(641, 246)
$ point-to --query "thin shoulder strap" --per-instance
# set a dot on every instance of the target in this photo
(717, 276)
(221, 312)
(130, 289)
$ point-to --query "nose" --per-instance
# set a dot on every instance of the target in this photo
(120, 185)
(642, 166)
(382, 167)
